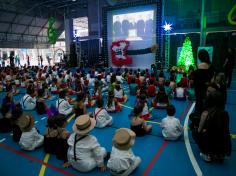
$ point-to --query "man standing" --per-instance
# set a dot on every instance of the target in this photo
(229, 65)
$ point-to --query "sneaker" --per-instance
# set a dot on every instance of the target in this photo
(205, 157)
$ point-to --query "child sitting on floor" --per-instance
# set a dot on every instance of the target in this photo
(142, 100)
(85, 153)
(63, 105)
(184, 80)
(41, 106)
(180, 93)
(6, 120)
(16, 113)
(30, 138)
(151, 89)
(171, 127)
(122, 160)
(88, 100)
(133, 87)
(28, 102)
(101, 116)
(138, 124)
(55, 138)
(79, 106)
(161, 100)
(119, 93)
(112, 104)
(97, 92)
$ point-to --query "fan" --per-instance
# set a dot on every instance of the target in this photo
(112, 2)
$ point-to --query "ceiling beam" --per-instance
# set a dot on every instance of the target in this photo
(12, 23)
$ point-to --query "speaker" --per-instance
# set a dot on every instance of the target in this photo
(73, 55)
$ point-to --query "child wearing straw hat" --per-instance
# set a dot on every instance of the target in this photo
(30, 138)
(122, 161)
(85, 153)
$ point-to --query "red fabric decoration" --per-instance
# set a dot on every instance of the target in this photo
(118, 53)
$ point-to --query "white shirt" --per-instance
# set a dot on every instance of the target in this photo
(120, 78)
(120, 160)
(118, 93)
(180, 92)
(145, 110)
(30, 140)
(63, 106)
(27, 102)
(88, 152)
(108, 78)
(171, 128)
(102, 118)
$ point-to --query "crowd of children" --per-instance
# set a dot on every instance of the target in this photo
(80, 149)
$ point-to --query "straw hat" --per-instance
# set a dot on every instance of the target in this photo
(83, 124)
(123, 139)
(26, 122)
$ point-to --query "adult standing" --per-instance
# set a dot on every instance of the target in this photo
(212, 135)
(28, 60)
(11, 60)
(202, 75)
(229, 65)
(41, 60)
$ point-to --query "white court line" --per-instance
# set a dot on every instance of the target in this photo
(188, 146)
(35, 122)
(2, 140)
(43, 118)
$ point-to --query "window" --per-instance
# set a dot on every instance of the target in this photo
(80, 27)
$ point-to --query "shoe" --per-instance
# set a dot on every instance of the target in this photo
(205, 157)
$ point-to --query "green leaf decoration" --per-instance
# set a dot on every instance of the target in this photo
(52, 32)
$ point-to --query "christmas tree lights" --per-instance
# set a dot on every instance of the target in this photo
(186, 55)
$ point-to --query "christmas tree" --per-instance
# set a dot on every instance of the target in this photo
(186, 55)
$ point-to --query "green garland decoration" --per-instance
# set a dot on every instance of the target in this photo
(52, 32)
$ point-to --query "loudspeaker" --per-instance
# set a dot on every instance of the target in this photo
(73, 55)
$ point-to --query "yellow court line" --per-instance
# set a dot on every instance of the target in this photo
(43, 168)
(71, 117)
(126, 106)
(149, 121)
(46, 157)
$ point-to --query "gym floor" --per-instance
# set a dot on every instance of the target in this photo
(159, 157)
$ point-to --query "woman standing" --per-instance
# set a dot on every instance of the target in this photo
(202, 75)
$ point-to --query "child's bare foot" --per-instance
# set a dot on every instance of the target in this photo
(66, 164)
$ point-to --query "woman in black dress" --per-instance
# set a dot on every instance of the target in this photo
(202, 75)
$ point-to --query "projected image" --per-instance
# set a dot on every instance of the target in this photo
(133, 26)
